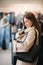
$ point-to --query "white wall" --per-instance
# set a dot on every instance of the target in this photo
(21, 5)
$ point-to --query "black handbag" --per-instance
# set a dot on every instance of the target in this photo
(31, 55)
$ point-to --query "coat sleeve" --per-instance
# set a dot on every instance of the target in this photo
(28, 42)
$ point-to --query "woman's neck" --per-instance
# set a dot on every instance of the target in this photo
(28, 27)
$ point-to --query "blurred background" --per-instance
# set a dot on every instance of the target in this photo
(17, 8)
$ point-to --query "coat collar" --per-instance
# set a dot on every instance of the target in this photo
(31, 28)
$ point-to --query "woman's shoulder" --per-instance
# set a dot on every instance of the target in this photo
(32, 30)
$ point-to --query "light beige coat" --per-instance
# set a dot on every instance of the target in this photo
(26, 45)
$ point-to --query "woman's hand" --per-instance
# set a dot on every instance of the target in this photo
(21, 32)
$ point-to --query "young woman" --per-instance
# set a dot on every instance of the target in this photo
(31, 25)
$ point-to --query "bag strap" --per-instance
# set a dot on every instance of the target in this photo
(35, 36)
(34, 40)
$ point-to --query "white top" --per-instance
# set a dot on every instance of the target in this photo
(1, 22)
(29, 41)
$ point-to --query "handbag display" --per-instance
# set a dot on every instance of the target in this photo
(31, 55)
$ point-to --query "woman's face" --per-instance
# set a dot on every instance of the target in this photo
(28, 22)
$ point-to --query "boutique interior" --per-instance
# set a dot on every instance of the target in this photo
(17, 8)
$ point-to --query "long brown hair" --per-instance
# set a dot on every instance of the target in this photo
(30, 15)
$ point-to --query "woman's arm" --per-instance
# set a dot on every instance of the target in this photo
(20, 34)
(28, 42)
